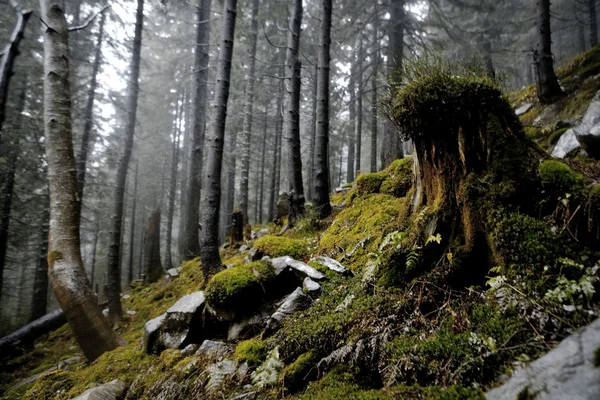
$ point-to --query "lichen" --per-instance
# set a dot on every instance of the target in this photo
(278, 246)
(54, 256)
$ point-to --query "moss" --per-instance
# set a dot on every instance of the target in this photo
(253, 351)
(50, 386)
(555, 136)
(558, 179)
(369, 183)
(240, 286)
(595, 198)
(597, 357)
(399, 177)
(297, 372)
(278, 246)
(54, 256)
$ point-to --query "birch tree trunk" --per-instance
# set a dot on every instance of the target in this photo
(66, 273)
(248, 109)
(292, 112)
(548, 87)
(209, 239)
(113, 277)
(321, 200)
(190, 246)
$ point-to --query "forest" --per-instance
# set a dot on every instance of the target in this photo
(313, 199)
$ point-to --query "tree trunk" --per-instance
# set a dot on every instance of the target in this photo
(548, 87)
(190, 241)
(172, 193)
(209, 239)
(350, 173)
(132, 227)
(185, 155)
(374, 95)
(113, 283)
(10, 52)
(262, 169)
(94, 251)
(313, 133)
(231, 182)
(152, 265)
(276, 176)
(248, 109)
(66, 273)
(593, 23)
(140, 260)
(393, 145)
(89, 112)
(237, 227)
(39, 304)
(359, 104)
(322, 203)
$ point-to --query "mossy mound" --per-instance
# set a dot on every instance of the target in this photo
(559, 180)
(253, 351)
(297, 373)
(241, 286)
(399, 177)
(369, 183)
(279, 246)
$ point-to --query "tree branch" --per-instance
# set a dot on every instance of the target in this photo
(88, 21)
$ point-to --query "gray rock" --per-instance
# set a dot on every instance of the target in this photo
(547, 115)
(214, 349)
(254, 254)
(173, 272)
(218, 372)
(248, 326)
(567, 143)
(189, 349)
(523, 109)
(112, 390)
(66, 364)
(586, 135)
(345, 303)
(296, 301)
(151, 333)
(333, 265)
(245, 396)
(312, 288)
(262, 232)
(31, 379)
(567, 372)
(243, 248)
(176, 326)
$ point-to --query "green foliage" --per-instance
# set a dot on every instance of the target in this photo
(370, 183)
(595, 198)
(399, 177)
(295, 374)
(559, 180)
(241, 286)
(278, 246)
(253, 351)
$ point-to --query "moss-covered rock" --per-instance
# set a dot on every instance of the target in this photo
(50, 386)
(253, 351)
(369, 183)
(297, 373)
(278, 246)
(559, 180)
(241, 287)
(399, 178)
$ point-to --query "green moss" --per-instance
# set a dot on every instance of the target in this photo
(253, 351)
(278, 246)
(399, 177)
(558, 179)
(555, 136)
(50, 386)
(54, 256)
(595, 198)
(295, 374)
(240, 286)
(597, 357)
(370, 183)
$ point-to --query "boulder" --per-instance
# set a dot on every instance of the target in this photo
(249, 326)
(189, 349)
(214, 349)
(312, 288)
(547, 115)
(176, 326)
(218, 372)
(567, 372)
(173, 272)
(567, 143)
(523, 109)
(302, 270)
(112, 390)
(296, 301)
(151, 333)
(333, 265)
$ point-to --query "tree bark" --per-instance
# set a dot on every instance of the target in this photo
(66, 273)
(209, 239)
(313, 133)
(262, 169)
(113, 284)
(593, 23)
(350, 173)
(374, 100)
(172, 193)
(39, 304)
(248, 109)
(276, 175)
(132, 227)
(7, 60)
(359, 104)
(548, 87)
(231, 182)
(152, 265)
(94, 251)
(89, 112)
(185, 155)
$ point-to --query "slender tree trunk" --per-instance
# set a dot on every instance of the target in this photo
(9, 53)
(321, 166)
(248, 109)
(593, 23)
(209, 239)
(190, 241)
(231, 180)
(359, 104)
(113, 284)
(276, 176)
(292, 112)
(350, 173)
(95, 248)
(262, 168)
(39, 304)
(374, 96)
(185, 153)
(313, 133)
(172, 193)
(581, 37)
(152, 265)
(66, 273)
(89, 112)
(140, 260)
(548, 87)
(132, 226)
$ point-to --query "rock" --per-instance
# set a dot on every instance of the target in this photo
(151, 333)
(303, 269)
(214, 349)
(344, 304)
(267, 374)
(245, 396)
(333, 265)
(65, 364)
(254, 255)
(590, 143)
(296, 301)
(587, 134)
(179, 316)
(126, 297)
(31, 379)
(109, 391)
(567, 372)
(523, 109)
(218, 372)
(262, 232)
(248, 326)
(130, 312)
(189, 349)
(312, 288)
(567, 143)
(265, 258)
(547, 115)
(173, 272)
(243, 248)
(370, 273)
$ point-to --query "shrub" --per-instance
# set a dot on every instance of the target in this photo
(278, 246)
(241, 286)
(253, 351)
(558, 179)
(370, 183)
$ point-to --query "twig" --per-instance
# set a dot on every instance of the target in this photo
(88, 21)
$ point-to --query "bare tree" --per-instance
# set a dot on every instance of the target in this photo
(66, 273)
(172, 192)
(151, 264)
(131, 230)
(209, 239)
(548, 87)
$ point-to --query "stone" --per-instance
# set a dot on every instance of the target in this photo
(179, 316)
(218, 372)
(586, 135)
(66, 364)
(189, 349)
(246, 396)
(333, 265)
(151, 333)
(262, 232)
(214, 349)
(547, 115)
(523, 109)
(126, 297)
(566, 144)
(173, 272)
(248, 326)
(296, 301)
(243, 248)
(268, 372)
(254, 255)
(312, 288)
(112, 390)
(345, 303)
(304, 269)
(130, 312)
(567, 372)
